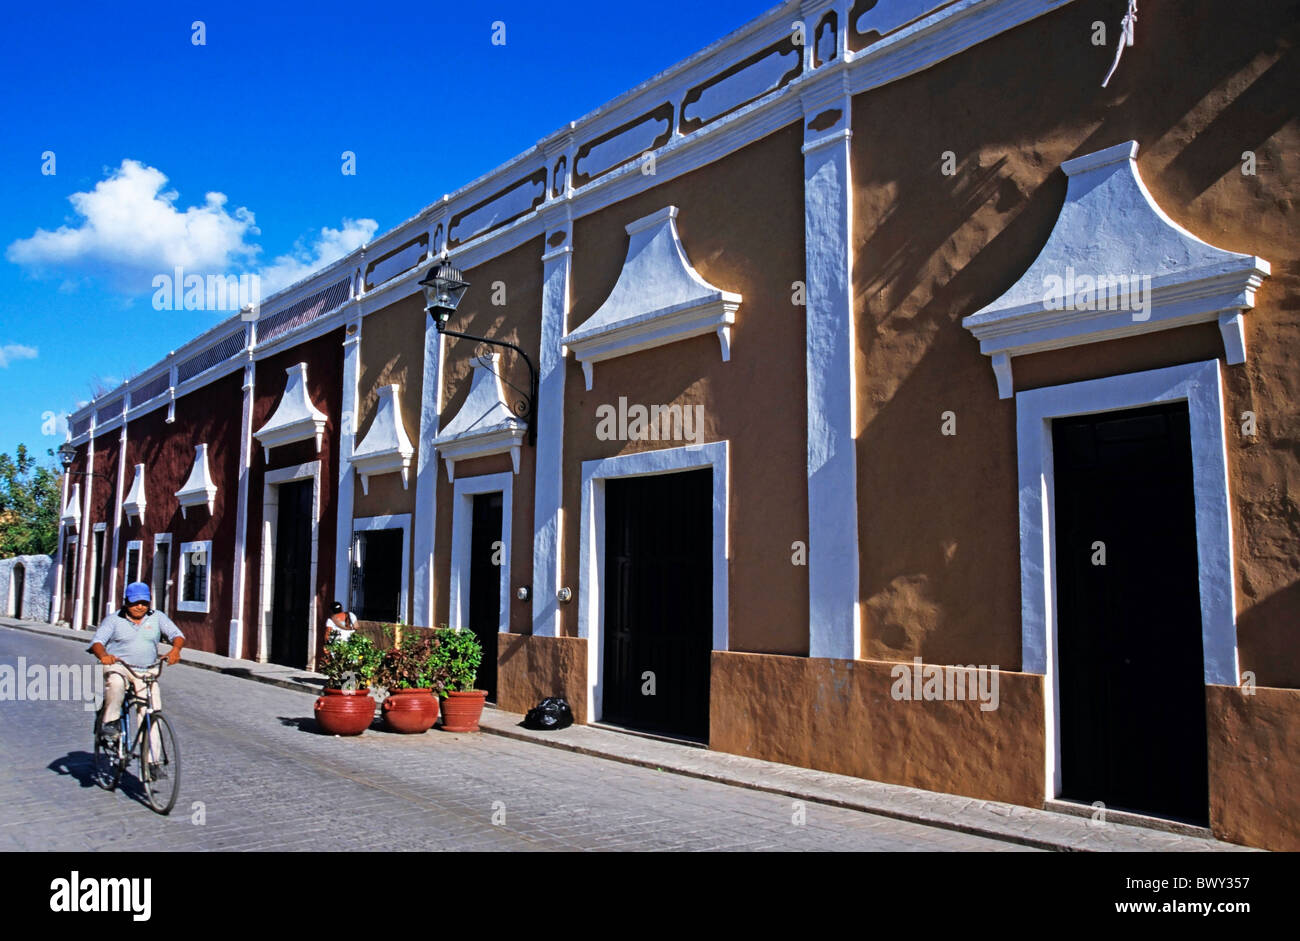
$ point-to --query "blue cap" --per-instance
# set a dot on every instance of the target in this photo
(137, 591)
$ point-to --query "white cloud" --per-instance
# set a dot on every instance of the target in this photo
(15, 351)
(131, 228)
(330, 245)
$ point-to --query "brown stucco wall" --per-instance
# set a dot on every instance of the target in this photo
(1254, 739)
(324, 358)
(518, 321)
(532, 668)
(938, 520)
(741, 224)
(840, 716)
(392, 352)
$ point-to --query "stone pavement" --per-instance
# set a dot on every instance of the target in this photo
(1007, 823)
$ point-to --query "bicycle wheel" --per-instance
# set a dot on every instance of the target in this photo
(109, 758)
(160, 772)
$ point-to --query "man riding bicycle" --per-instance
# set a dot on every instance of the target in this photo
(131, 636)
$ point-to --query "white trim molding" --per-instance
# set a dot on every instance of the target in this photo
(1197, 384)
(462, 522)
(386, 449)
(659, 298)
(591, 565)
(271, 516)
(485, 424)
(160, 539)
(426, 477)
(834, 606)
(365, 524)
(239, 575)
(346, 494)
(1115, 266)
(295, 418)
(548, 491)
(138, 546)
(199, 488)
(187, 561)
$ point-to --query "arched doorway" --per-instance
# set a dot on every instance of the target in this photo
(17, 582)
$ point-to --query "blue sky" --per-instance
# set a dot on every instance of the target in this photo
(227, 156)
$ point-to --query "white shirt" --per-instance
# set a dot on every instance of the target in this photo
(344, 633)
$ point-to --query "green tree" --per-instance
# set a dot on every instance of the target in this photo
(29, 505)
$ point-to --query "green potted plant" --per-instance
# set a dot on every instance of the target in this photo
(459, 655)
(349, 667)
(411, 674)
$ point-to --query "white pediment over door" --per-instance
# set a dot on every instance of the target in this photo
(659, 298)
(386, 448)
(484, 425)
(72, 510)
(295, 417)
(199, 488)
(1115, 266)
(133, 504)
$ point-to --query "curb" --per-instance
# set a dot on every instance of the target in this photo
(666, 764)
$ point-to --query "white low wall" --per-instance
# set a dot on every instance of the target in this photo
(37, 588)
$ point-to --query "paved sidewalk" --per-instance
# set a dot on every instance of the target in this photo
(1027, 826)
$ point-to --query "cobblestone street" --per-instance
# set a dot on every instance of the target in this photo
(258, 776)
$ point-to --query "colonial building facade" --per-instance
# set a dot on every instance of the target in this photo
(909, 406)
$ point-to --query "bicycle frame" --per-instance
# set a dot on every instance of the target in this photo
(153, 742)
(130, 703)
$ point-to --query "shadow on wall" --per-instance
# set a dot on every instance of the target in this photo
(1266, 637)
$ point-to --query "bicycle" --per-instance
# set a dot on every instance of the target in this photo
(160, 773)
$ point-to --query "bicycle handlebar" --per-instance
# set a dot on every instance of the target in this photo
(159, 663)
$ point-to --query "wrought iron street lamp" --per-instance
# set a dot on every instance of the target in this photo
(444, 286)
(67, 454)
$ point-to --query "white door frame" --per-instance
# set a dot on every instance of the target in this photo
(591, 566)
(270, 517)
(97, 548)
(364, 524)
(462, 524)
(1197, 384)
(161, 604)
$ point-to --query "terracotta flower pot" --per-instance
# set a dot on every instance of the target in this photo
(345, 711)
(410, 710)
(461, 711)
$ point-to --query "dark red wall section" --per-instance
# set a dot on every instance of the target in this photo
(324, 358)
(210, 415)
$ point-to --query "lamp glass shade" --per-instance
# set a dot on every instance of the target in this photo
(444, 286)
(66, 454)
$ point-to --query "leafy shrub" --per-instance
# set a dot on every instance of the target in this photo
(416, 665)
(351, 663)
(459, 654)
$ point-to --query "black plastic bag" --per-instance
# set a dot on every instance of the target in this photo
(553, 712)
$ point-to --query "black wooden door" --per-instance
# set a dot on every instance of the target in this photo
(1132, 682)
(97, 580)
(379, 587)
(291, 598)
(69, 577)
(659, 602)
(485, 566)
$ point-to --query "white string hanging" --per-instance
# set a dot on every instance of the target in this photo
(1125, 38)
